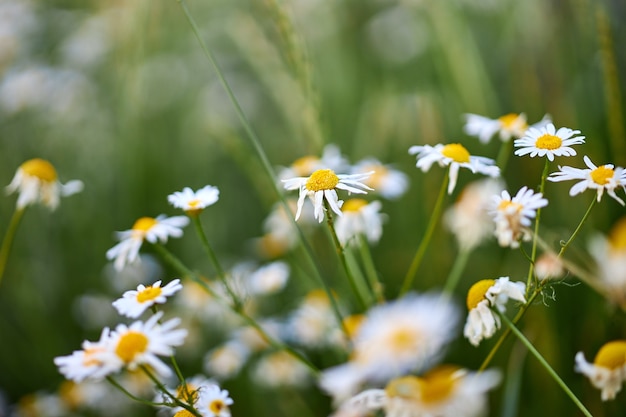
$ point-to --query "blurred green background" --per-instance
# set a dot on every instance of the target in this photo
(119, 95)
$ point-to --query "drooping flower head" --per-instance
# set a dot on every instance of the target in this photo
(323, 185)
(513, 215)
(608, 370)
(134, 302)
(194, 202)
(360, 218)
(548, 141)
(600, 178)
(36, 181)
(455, 156)
(481, 322)
(152, 229)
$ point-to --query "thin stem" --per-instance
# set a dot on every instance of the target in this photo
(580, 225)
(503, 154)
(533, 253)
(544, 363)
(456, 271)
(132, 396)
(342, 257)
(421, 250)
(165, 391)
(370, 269)
(7, 242)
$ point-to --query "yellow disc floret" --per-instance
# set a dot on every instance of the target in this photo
(144, 224)
(456, 152)
(353, 323)
(437, 385)
(148, 294)
(612, 355)
(130, 345)
(354, 205)
(617, 236)
(322, 179)
(477, 292)
(549, 142)
(506, 204)
(512, 120)
(184, 413)
(304, 166)
(39, 168)
(216, 406)
(602, 175)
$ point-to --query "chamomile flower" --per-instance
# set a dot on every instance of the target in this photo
(323, 184)
(194, 202)
(225, 361)
(36, 181)
(213, 401)
(455, 156)
(359, 218)
(313, 323)
(268, 279)
(141, 343)
(385, 180)
(513, 215)
(608, 370)
(303, 167)
(134, 302)
(609, 253)
(94, 361)
(548, 141)
(146, 228)
(603, 178)
(484, 295)
(280, 369)
(509, 126)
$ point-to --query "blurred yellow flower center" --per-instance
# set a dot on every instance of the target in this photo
(602, 175)
(512, 120)
(322, 179)
(217, 406)
(39, 168)
(70, 394)
(438, 384)
(376, 179)
(353, 323)
(612, 355)
(317, 298)
(407, 387)
(184, 413)
(187, 392)
(354, 205)
(456, 152)
(88, 358)
(144, 224)
(617, 236)
(402, 340)
(193, 203)
(304, 166)
(550, 142)
(505, 204)
(477, 292)
(149, 294)
(130, 345)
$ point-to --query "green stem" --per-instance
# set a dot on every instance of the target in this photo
(7, 242)
(456, 271)
(544, 363)
(342, 257)
(132, 396)
(165, 391)
(533, 253)
(503, 154)
(370, 269)
(580, 225)
(421, 250)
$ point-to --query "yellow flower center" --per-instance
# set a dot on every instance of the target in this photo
(547, 141)
(456, 152)
(612, 355)
(304, 166)
(217, 406)
(512, 120)
(187, 392)
(70, 394)
(376, 179)
(184, 413)
(505, 204)
(407, 387)
(617, 236)
(602, 175)
(402, 340)
(354, 205)
(477, 292)
(144, 224)
(39, 168)
(148, 294)
(130, 345)
(322, 179)
(353, 323)
(437, 385)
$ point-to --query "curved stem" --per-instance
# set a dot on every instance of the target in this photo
(456, 271)
(132, 396)
(503, 154)
(533, 253)
(580, 225)
(543, 363)
(370, 269)
(7, 242)
(165, 391)
(421, 250)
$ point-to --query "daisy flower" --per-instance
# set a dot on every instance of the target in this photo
(213, 401)
(359, 218)
(303, 167)
(548, 266)
(454, 155)
(268, 279)
(323, 184)
(513, 215)
(608, 370)
(146, 228)
(398, 337)
(194, 202)
(445, 391)
(603, 178)
(141, 343)
(313, 324)
(549, 142)
(225, 361)
(94, 361)
(484, 295)
(509, 126)
(36, 181)
(134, 302)
(385, 180)
(609, 253)
(280, 369)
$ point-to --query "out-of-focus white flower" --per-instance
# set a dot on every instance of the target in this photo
(225, 361)
(455, 156)
(385, 180)
(194, 202)
(280, 369)
(303, 167)
(484, 295)
(268, 279)
(360, 218)
(94, 361)
(509, 126)
(548, 141)
(313, 324)
(36, 181)
(134, 302)
(608, 370)
(548, 266)
(609, 253)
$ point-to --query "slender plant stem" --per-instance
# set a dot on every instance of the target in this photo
(165, 391)
(7, 242)
(503, 154)
(544, 363)
(342, 258)
(533, 253)
(363, 283)
(132, 396)
(421, 250)
(455, 272)
(370, 269)
(580, 225)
